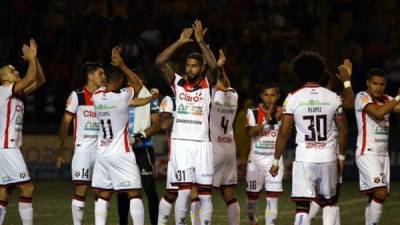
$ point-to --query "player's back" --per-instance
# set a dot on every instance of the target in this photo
(314, 109)
(223, 111)
(112, 109)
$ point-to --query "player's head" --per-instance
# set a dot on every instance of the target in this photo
(308, 66)
(8, 73)
(94, 73)
(376, 82)
(115, 76)
(331, 82)
(194, 65)
(269, 94)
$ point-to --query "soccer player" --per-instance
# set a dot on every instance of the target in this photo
(115, 168)
(373, 109)
(13, 169)
(263, 123)
(143, 124)
(313, 110)
(192, 156)
(79, 108)
(347, 95)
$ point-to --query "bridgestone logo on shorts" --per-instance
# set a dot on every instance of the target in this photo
(189, 121)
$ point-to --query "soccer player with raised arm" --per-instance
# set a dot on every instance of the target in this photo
(263, 122)
(373, 109)
(192, 155)
(79, 109)
(13, 170)
(115, 168)
(313, 110)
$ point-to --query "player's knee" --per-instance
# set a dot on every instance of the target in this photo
(228, 193)
(81, 189)
(27, 189)
(253, 195)
(380, 195)
(204, 189)
(134, 194)
(4, 195)
(170, 196)
(302, 206)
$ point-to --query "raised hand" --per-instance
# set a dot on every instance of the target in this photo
(29, 52)
(199, 33)
(221, 59)
(185, 35)
(116, 58)
(345, 71)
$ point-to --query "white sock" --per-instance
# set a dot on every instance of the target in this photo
(375, 212)
(100, 211)
(181, 205)
(367, 217)
(302, 219)
(314, 208)
(271, 211)
(329, 215)
(195, 211)
(337, 221)
(26, 213)
(77, 208)
(251, 210)
(3, 211)
(234, 213)
(206, 209)
(164, 210)
(137, 211)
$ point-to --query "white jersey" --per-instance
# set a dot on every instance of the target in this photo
(86, 124)
(373, 134)
(11, 117)
(191, 121)
(167, 105)
(223, 110)
(264, 143)
(314, 109)
(112, 110)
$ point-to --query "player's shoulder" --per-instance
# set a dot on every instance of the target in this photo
(99, 91)
(363, 95)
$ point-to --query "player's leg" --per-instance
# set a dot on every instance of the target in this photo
(327, 191)
(195, 206)
(5, 194)
(314, 209)
(255, 181)
(228, 193)
(136, 206)
(102, 184)
(168, 199)
(101, 206)
(273, 187)
(25, 203)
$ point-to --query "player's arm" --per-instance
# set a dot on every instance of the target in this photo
(281, 141)
(379, 111)
(345, 72)
(341, 124)
(62, 135)
(224, 83)
(144, 101)
(29, 54)
(163, 57)
(166, 120)
(116, 59)
(397, 107)
(40, 79)
(154, 127)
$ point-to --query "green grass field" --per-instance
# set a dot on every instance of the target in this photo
(52, 206)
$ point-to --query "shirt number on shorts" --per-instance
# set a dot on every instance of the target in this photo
(107, 129)
(85, 173)
(317, 125)
(180, 175)
(252, 185)
(224, 124)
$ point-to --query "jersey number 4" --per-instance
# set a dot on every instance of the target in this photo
(317, 125)
(107, 129)
(224, 124)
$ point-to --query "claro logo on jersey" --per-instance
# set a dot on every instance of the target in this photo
(88, 113)
(189, 98)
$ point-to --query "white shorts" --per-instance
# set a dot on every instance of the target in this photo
(13, 170)
(82, 166)
(192, 162)
(170, 175)
(374, 172)
(225, 169)
(258, 175)
(310, 180)
(117, 172)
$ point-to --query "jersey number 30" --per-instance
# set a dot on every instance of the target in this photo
(317, 126)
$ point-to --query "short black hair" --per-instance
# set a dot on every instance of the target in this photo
(114, 73)
(308, 66)
(269, 86)
(90, 67)
(376, 72)
(196, 56)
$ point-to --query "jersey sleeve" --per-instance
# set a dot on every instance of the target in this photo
(128, 93)
(288, 105)
(6, 91)
(362, 100)
(167, 105)
(72, 103)
(339, 109)
(154, 106)
(251, 120)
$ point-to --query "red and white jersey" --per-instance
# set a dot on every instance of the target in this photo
(86, 125)
(373, 134)
(11, 117)
(191, 121)
(167, 105)
(223, 110)
(264, 143)
(112, 109)
(314, 109)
